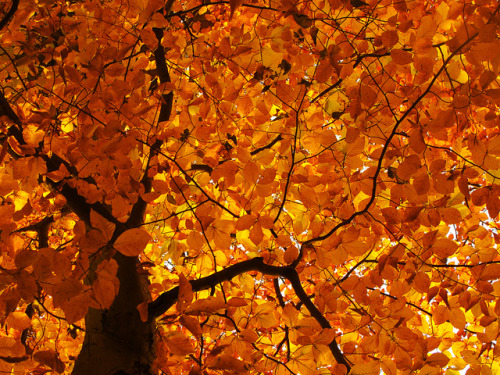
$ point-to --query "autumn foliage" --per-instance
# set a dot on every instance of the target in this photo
(262, 187)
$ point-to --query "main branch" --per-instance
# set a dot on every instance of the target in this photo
(166, 300)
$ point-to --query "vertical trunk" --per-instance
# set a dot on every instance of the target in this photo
(117, 341)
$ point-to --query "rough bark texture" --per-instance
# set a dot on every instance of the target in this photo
(117, 341)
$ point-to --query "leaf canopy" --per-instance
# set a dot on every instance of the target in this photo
(309, 187)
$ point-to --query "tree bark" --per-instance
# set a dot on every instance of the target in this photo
(117, 341)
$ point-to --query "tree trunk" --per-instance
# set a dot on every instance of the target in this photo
(117, 341)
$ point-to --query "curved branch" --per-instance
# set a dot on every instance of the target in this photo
(294, 279)
(166, 300)
(10, 14)
(384, 151)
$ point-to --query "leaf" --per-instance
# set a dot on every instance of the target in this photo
(422, 184)
(195, 240)
(143, 310)
(451, 215)
(98, 222)
(422, 282)
(457, 318)
(291, 253)
(226, 362)
(444, 247)
(105, 292)
(18, 320)
(401, 57)
(234, 5)
(371, 368)
(67, 290)
(51, 359)
(185, 294)
(107, 285)
(389, 38)
(132, 242)
(206, 305)
(490, 272)
(178, 344)
(192, 324)
(438, 359)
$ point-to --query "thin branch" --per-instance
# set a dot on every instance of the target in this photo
(385, 148)
(269, 145)
(192, 180)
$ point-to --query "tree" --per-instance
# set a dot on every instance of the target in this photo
(268, 187)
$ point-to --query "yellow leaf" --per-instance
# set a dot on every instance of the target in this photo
(270, 58)
(207, 305)
(290, 315)
(18, 320)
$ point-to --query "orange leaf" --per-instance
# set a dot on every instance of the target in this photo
(51, 359)
(185, 293)
(105, 292)
(210, 304)
(291, 253)
(401, 57)
(132, 242)
(389, 38)
(234, 4)
(178, 344)
(444, 247)
(18, 320)
(422, 282)
(192, 324)
(438, 359)
(67, 290)
(226, 362)
(98, 222)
